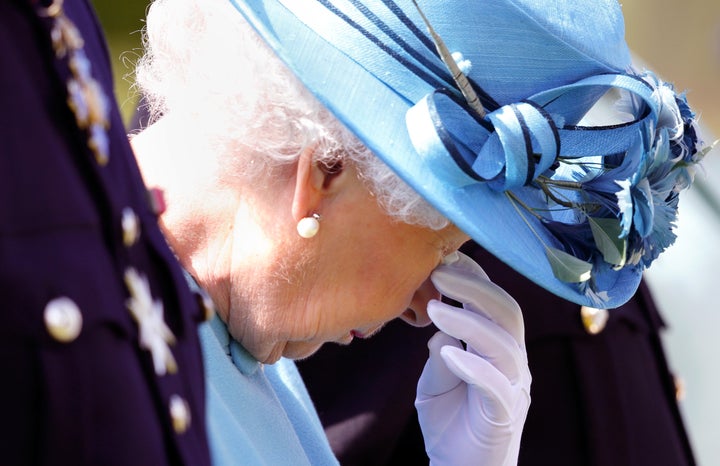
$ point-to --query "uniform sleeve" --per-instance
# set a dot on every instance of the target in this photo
(80, 385)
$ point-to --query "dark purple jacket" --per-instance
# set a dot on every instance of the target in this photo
(82, 393)
(605, 399)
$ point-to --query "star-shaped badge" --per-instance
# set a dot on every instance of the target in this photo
(155, 336)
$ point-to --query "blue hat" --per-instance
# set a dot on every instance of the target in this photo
(579, 210)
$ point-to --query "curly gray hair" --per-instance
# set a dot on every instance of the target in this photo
(206, 66)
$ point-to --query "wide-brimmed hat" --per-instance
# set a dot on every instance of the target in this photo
(476, 105)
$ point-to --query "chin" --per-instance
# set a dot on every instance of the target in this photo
(301, 351)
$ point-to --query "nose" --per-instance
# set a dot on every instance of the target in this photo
(416, 315)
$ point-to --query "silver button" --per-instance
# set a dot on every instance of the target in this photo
(63, 319)
(130, 227)
(593, 319)
(180, 414)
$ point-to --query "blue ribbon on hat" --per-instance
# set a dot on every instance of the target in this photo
(511, 147)
(517, 142)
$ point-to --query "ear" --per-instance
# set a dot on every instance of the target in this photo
(314, 182)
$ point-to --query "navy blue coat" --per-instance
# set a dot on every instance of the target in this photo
(76, 386)
(604, 399)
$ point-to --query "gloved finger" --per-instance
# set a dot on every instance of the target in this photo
(482, 335)
(482, 296)
(496, 395)
(466, 282)
(436, 378)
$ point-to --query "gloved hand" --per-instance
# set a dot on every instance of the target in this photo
(472, 402)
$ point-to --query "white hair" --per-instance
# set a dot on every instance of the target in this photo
(206, 66)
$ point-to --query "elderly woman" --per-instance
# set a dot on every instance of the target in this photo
(322, 161)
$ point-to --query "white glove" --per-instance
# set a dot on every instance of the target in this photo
(472, 402)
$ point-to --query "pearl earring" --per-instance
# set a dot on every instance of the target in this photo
(308, 227)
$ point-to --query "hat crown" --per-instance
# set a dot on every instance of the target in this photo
(518, 48)
(512, 48)
(594, 27)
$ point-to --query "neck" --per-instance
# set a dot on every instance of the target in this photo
(220, 231)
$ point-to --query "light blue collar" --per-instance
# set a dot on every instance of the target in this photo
(243, 360)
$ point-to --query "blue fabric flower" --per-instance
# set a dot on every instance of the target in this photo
(637, 188)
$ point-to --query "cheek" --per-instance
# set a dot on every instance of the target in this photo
(373, 296)
(381, 275)
(405, 285)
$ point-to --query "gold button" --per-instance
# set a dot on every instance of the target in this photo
(206, 305)
(130, 226)
(679, 388)
(593, 319)
(179, 413)
(63, 319)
